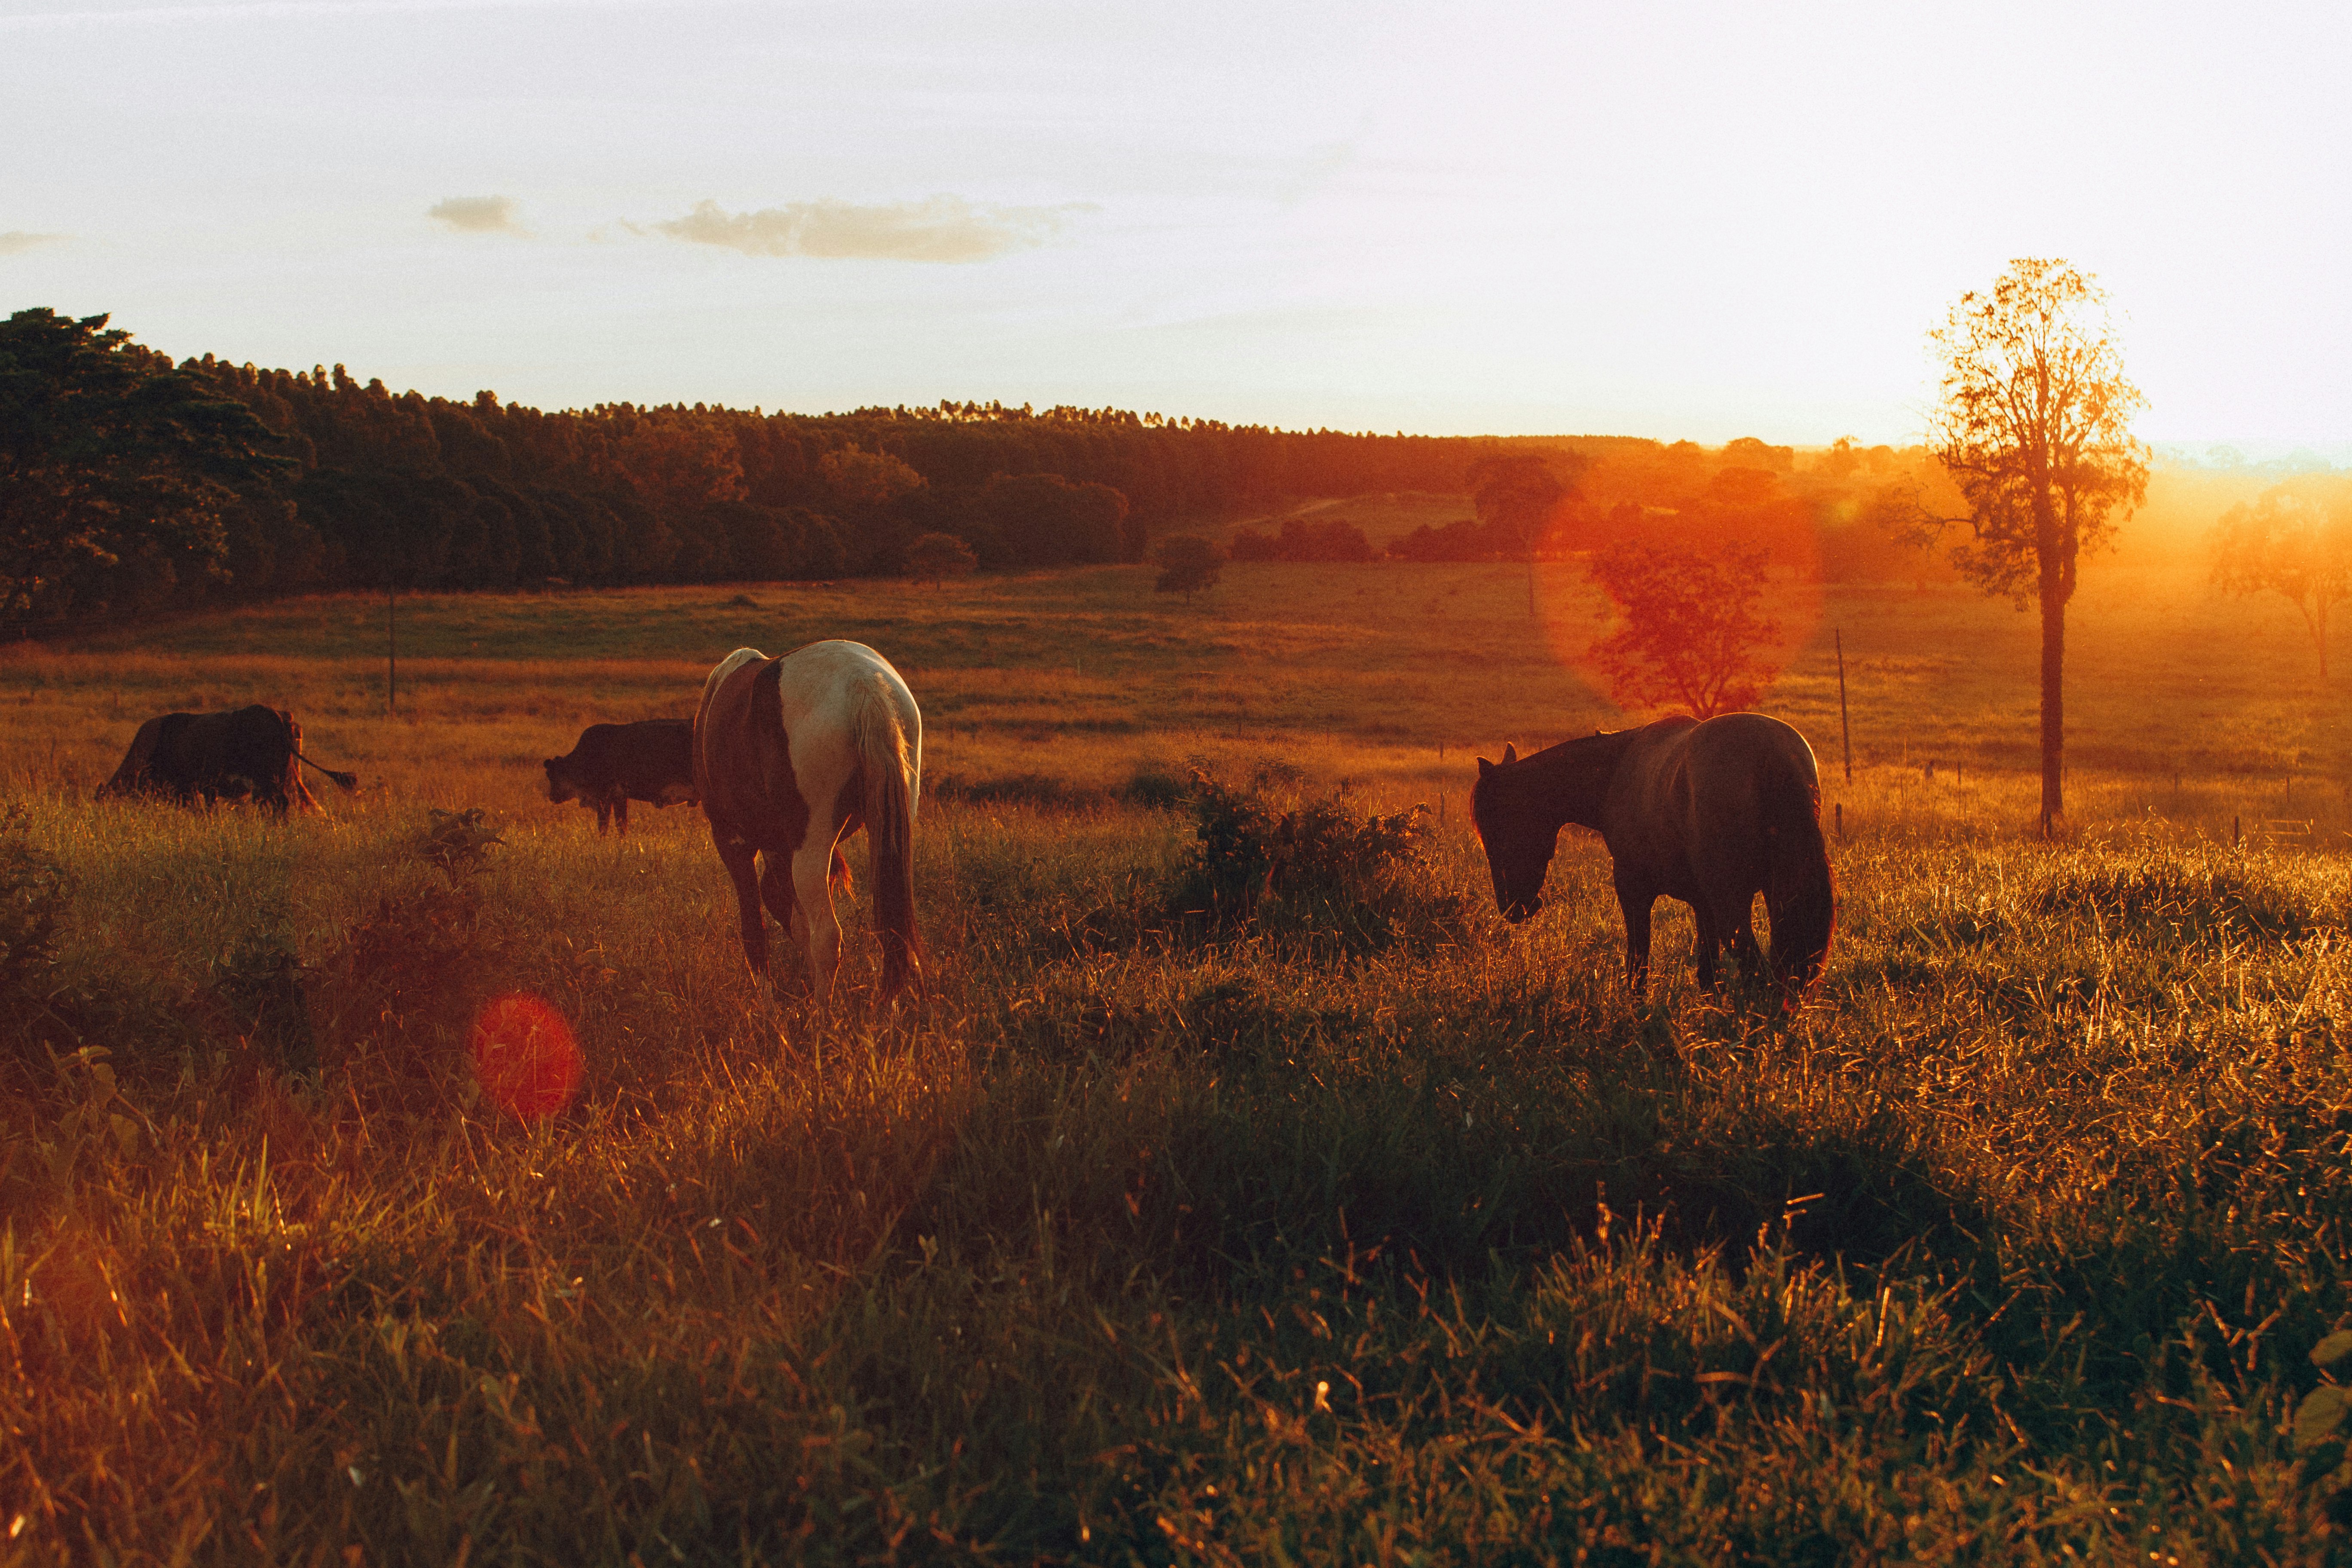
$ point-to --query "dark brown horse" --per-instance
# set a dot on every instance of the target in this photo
(1712, 813)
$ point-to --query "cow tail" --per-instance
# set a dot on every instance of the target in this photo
(1798, 892)
(889, 810)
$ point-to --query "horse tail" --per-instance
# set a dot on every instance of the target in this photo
(1799, 892)
(889, 812)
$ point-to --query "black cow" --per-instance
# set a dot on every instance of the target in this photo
(254, 753)
(651, 760)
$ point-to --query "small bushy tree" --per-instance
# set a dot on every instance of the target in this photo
(935, 557)
(1692, 635)
(1188, 564)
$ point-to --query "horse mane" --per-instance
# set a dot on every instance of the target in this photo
(1544, 779)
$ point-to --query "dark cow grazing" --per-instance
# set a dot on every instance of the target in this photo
(651, 760)
(254, 753)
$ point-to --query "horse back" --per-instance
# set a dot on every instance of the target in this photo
(1691, 798)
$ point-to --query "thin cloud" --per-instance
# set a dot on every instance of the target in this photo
(942, 229)
(478, 215)
(250, 10)
(16, 241)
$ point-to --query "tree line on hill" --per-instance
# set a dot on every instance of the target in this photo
(128, 483)
(315, 480)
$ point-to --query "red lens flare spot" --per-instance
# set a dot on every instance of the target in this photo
(525, 1057)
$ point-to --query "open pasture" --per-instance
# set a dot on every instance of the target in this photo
(1142, 1241)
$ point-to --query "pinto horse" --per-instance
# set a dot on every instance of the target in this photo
(791, 757)
(1712, 813)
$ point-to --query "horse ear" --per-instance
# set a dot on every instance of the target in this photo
(1484, 767)
(1510, 752)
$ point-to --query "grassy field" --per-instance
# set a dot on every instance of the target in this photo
(1375, 1233)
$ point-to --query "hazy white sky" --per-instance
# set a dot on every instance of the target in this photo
(1702, 220)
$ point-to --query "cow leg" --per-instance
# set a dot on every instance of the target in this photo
(736, 855)
(812, 882)
(621, 812)
(1635, 903)
(604, 820)
(1706, 943)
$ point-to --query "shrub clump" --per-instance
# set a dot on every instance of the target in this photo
(33, 896)
(258, 985)
(415, 965)
(1274, 858)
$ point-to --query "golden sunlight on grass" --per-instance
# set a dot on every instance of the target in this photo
(1362, 1226)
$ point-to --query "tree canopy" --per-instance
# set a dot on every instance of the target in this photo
(2034, 424)
(109, 455)
(1188, 564)
(1690, 634)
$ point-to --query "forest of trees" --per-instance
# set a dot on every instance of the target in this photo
(383, 489)
(360, 487)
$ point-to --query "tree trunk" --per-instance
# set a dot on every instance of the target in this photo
(2053, 698)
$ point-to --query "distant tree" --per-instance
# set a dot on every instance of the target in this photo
(108, 452)
(1302, 539)
(1249, 544)
(870, 492)
(2289, 545)
(1463, 539)
(1514, 495)
(757, 539)
(1188, 564)
(675, 461)
(1047, 519)
(866, 481)
(1692, 635)
(1518, 497)
(2034, 424)
(935, 557)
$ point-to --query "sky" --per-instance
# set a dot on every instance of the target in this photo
(1698, 221)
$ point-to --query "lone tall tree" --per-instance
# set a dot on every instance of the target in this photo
(2034, 427)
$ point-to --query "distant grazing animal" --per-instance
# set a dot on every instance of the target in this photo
(254, 753)
(1712, 813)
(651, 760)
(793, 755)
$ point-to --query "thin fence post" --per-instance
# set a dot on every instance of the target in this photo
(1846, 731)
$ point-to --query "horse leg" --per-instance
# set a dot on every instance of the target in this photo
(776, 889)
(812, 882)
(736, 855)
(1634, 904)
(1743, 942)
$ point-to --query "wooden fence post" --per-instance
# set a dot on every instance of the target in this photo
(1846, 731)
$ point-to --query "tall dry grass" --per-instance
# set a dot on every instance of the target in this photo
(1145, 1236)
